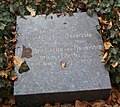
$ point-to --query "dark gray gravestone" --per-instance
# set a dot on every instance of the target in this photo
(65, 64)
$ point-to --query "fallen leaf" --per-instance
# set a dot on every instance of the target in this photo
(102, 21)
(104, 57)
(38, 1)
(12, 101)
(106, 105)
(57, 105)
(10, 65)
(26, 52)
(107, 45)
(67, 105)
(48, 105)
(116, 105)
(100, 103)
(32, 11)
(14, 76)
(0, 102)
(114, 64)
(14, 39)
(6, 105)
(17, 61)
(4, 73)
(24, 67)
(80, 104)
(63, 64)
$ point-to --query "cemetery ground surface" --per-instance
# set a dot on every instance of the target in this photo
(109, 18)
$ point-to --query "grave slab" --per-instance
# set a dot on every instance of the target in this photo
(63, 54)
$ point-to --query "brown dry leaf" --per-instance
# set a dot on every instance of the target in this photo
(67, 105)
(102, 21)
(100, 103)
(107, 45)
(106, 105)
(114, 96)
(32, 11)
(80, 104)
(38, 1)
(17, 61)
(14, 76)
(116, 105)
(48, 105)
(57, 105)
(9, 66)
(118, 14)
(104, 57)
(4, 73)
(0, 102)
(26, 52)
(53, 1)
(114, 64)
(14, 39)
(118, 97)
(63, 64)
(12, 101)
(6, 105)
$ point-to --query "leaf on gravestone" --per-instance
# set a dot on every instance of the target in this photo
(63, 64)
(17, 61)
(107, 45)
(80, 104)
(32, 11)
(114, 64)
(26, 52)
(104, 57)
(102, 21)
(24, 67)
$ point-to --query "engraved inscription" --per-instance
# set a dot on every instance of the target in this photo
(59, 49)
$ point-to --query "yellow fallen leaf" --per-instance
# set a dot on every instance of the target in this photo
(14, 39)
(114, 64)
(4, 73)
(32, 11)
(104, 57)
(102, 21)
(17, 61)
(107, 45)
